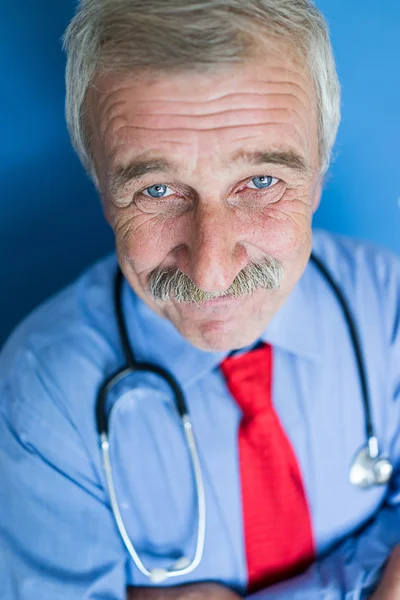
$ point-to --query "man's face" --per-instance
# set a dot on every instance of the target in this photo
(203, 174)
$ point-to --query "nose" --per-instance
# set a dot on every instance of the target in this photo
(213, 254)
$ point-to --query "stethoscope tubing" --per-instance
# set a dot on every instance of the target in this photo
(161, 574)
(117, 376)
(369, 428)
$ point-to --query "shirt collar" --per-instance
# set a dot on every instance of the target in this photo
(294, 327)
(155, 339)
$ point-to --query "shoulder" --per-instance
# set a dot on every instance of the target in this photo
(54, 359)
(368, 275)
(354, 261)
(72, 315)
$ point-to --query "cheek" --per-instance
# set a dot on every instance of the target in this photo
(143, 240)
(283, 230)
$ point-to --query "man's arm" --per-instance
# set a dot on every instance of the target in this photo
(388, 588)
(352, 571)
(195, 591)
(57, 536)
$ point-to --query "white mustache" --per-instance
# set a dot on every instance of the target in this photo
(165, 284)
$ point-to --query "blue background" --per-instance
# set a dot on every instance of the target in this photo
(51, 225)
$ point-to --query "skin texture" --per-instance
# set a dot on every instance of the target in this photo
(213, 221)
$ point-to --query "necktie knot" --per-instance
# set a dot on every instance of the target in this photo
(248, 376)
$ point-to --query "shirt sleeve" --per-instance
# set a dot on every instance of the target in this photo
(353, 569)
(350, 572)
(57, 536)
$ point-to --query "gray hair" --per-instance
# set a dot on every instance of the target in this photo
(119, 35)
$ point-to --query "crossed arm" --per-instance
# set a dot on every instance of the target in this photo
(388, 588)
(195, 591)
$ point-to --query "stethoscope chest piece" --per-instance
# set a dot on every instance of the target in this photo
(368, 470)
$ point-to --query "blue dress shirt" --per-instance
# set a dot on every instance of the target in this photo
(58, 538)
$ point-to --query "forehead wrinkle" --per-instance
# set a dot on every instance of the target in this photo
(111, 129)
(102, 100)
(211, 128)
(111, 112)
(104, 125)
(237, 111)
(237, 101)
(296, 139)
(291, 81)
(284, 155)
(298, 77)
(297, 82)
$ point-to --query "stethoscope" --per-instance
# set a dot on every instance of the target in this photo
(369, 468)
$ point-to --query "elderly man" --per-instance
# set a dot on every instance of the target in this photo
(207, 128)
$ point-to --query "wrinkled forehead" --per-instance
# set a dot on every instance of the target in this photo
(275, 58)
(270, 96)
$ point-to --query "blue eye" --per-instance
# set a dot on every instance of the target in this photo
(156, 191)
(262, 182)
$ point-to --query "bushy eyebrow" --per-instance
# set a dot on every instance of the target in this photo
(137, 168)
(284, 158)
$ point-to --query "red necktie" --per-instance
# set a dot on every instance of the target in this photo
(277, 524)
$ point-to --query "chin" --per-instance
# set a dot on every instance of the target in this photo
(212, 337)
(225, 327)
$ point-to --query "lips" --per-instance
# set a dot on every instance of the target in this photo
(226, 303)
